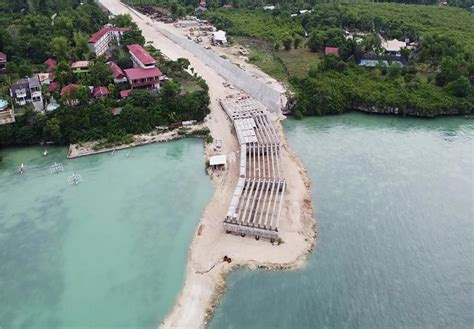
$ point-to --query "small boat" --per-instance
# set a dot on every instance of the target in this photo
(21, 169)
(45, 153)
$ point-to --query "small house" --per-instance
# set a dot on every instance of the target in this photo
(3, 63)
(124, 93)
(117, 73)
(68, 93)
(51, 65)
(53, 87)
(100, 91)
(80, 67)
(331, 51)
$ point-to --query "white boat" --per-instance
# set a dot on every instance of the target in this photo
(21, 169)
(45, 153)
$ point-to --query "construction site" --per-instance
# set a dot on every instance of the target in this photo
(256, 204)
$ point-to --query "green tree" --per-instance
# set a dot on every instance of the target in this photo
(63, 74)
(287, 42)
(99, 74)
(460, 87)
(297, 41)
(81, 46)
(59, 48)
(124, 21)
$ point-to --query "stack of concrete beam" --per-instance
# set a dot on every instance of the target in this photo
(258, 197)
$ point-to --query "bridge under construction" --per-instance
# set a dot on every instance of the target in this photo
(256, 204)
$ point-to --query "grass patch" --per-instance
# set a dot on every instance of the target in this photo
(280, 64)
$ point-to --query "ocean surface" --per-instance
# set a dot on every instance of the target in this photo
(108, 253)
(393, 199)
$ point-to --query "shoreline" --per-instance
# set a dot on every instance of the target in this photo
(87, 148)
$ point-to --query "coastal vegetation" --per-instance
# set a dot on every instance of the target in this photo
(434, 76)
(32, 32)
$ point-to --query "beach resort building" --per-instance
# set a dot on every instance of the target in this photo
(140, 57)
(28, 91)
(144, 74)
(103, 39)
(140, 78)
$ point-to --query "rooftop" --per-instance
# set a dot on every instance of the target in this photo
(140, 73)
(3, 56)
(141, 54)
(53, 86)
(100, 91)
(217, 160)
(99, 34)
(220, 36)
(125, 93)
(393, 45)
(117, 72)
(50, 62)
(80, 64)
(67, 90)
(331, 51)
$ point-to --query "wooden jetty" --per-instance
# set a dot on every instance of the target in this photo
(258, 197)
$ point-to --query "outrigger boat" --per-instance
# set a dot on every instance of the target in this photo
(21, 169)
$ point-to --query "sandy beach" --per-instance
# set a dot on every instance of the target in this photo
(206, 271)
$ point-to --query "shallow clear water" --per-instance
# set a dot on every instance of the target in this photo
(393, 199)
(108, 253)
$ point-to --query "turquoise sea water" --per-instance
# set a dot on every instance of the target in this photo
(108, 253)
(393, 199)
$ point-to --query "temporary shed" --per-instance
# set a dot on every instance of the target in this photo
(217, 161)
(219, 37)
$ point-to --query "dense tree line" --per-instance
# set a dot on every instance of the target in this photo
(141, 112)
(438, 75)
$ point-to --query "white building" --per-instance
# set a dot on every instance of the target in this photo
(100, 41)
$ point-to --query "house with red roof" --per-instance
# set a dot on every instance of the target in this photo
(51, 65)
(144, 78)
(100, 91)
(331, 51)
(124, 93)
(53, 87)
(3, 63)
(101, 41)
(140, 57)
(117, 73)
(68, 93)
